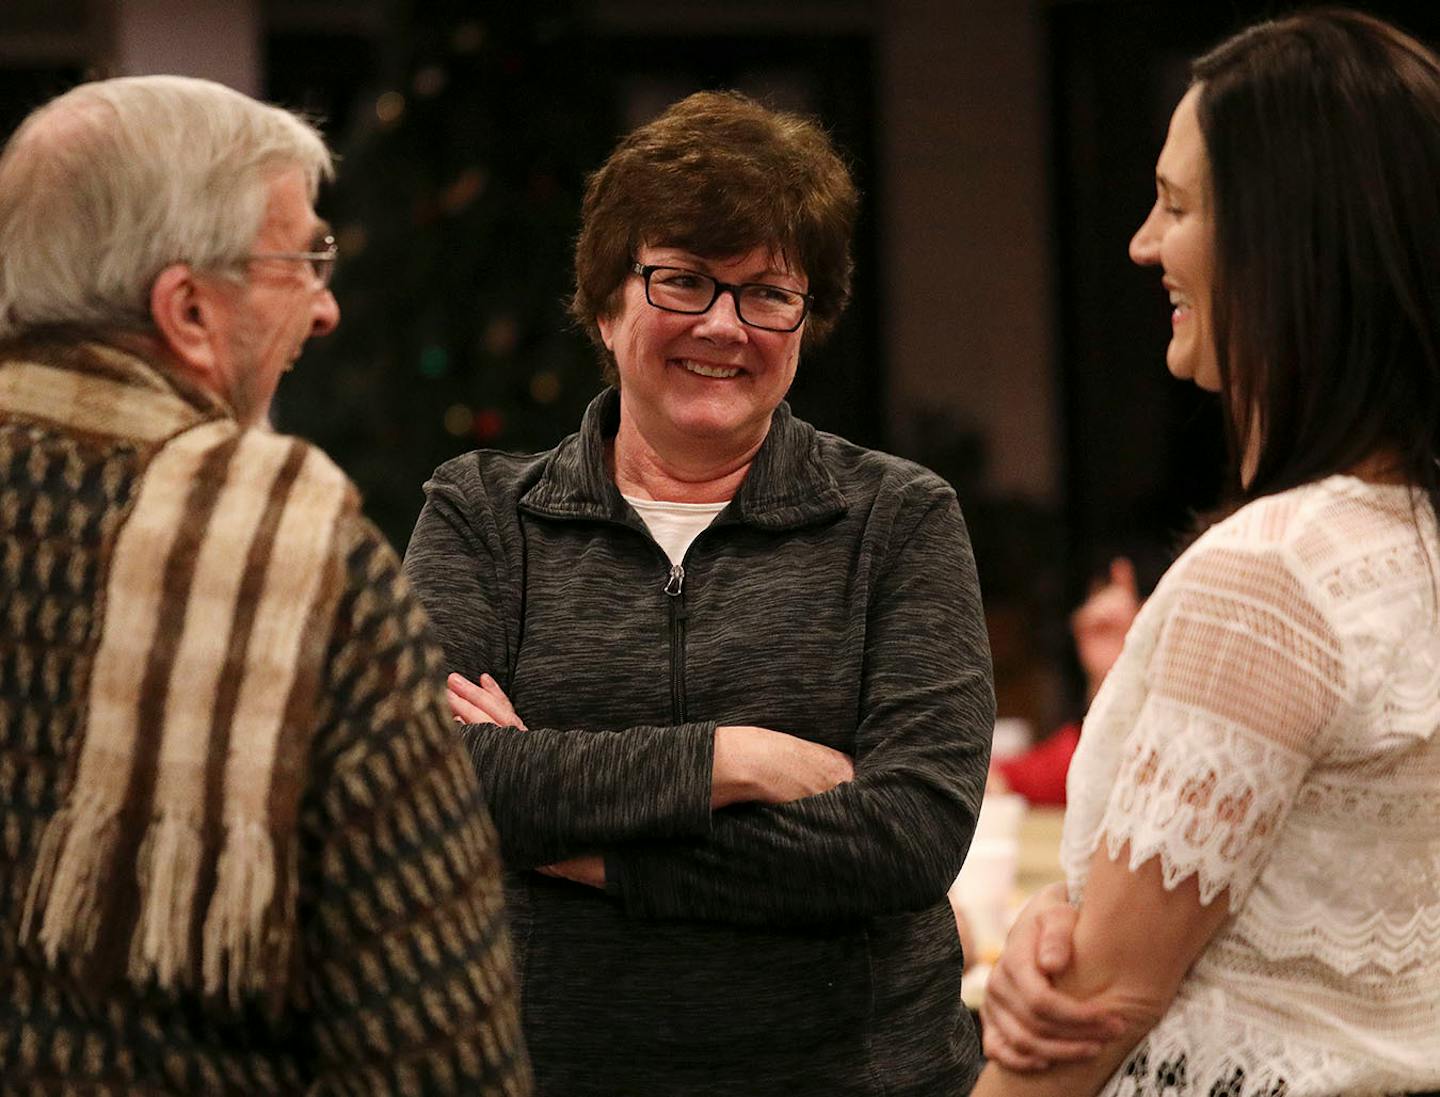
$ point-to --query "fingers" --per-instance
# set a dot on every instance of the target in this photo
(492, 698)
(767, 766)
(844, 769)
(831, 767)
(588, 870)
(996, 1051)
(1111, 603)
(496, 697)
(467, 689)
(465, 710)
(1031, 1018)
(1055, 934)
(1013, 1047)
(481, 703)
(999, 1048)
(1122, 575)
(1019, 990)
(818, 768)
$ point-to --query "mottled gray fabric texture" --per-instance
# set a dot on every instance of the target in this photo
(805, 948)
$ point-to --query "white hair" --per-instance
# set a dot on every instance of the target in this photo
(106, 186)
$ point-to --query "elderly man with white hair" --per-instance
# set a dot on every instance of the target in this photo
(240, 848)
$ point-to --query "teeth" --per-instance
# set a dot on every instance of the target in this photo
(709, 371)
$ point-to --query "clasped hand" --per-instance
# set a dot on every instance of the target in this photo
(1029, 1025)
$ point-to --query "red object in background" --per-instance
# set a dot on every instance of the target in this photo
(1039, 773)
(488, 424)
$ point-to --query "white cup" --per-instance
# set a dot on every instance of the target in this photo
(985, 888)
(1012, 737)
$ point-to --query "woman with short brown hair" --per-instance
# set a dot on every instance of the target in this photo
(750, 656)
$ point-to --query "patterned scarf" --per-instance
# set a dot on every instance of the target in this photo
(173, 857)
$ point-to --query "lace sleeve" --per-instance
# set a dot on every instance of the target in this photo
(1241, 690)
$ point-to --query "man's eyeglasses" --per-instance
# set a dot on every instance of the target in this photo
(322, 262)
(674, 289)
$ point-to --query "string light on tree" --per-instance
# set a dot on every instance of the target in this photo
(457, 207)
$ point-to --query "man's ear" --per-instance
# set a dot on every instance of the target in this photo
(190, 317)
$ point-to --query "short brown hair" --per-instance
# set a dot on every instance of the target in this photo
(718, 175)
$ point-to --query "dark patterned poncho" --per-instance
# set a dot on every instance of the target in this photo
(240, 848)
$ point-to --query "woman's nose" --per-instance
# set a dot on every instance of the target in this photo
(722, 320)
(1145, 244)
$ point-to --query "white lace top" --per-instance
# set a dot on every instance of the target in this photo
(1271, 728)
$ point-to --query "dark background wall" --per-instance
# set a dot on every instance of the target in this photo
(1005, 149)
(1143, 453)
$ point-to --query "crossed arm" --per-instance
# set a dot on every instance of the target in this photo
(797, 841)
(749, 764)
(1133, 941)
(1213, 764)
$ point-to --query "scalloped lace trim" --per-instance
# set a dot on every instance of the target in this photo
(1233, 1058)
(1208, 811)
(1207, 801)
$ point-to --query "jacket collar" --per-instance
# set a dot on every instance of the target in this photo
(787, 486)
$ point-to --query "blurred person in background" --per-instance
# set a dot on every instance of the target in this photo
(749, 654)
(1098, 628)
(1253, 831)
(242, 851)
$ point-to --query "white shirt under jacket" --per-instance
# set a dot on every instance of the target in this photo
(1271, 728)
(675, 525)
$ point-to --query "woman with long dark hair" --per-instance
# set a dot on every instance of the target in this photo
(1253, 837)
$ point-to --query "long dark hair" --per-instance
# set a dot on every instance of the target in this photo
(1323, 136)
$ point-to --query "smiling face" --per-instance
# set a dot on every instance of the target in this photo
(1178, 236)
(281, 303)
(701, 385)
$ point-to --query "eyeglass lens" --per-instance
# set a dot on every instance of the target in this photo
(322, 260)
(757, 304)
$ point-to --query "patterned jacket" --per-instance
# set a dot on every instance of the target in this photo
(241, 850)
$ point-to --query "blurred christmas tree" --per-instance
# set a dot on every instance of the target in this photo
(455, 210)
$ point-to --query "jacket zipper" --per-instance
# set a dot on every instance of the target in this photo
(675, 590)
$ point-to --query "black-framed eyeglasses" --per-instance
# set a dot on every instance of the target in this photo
(759, 304)
(322, 262)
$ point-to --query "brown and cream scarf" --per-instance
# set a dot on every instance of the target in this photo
(173, 855)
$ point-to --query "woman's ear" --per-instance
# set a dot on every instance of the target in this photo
(191, 318)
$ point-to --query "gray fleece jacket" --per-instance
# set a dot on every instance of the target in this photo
(802, 948)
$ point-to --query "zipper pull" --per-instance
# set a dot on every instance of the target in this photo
(676, 582)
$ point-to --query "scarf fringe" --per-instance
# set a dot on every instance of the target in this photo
(248, 928)
(168, 870)
(65, 892)
(241, 925)
(212, 501)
